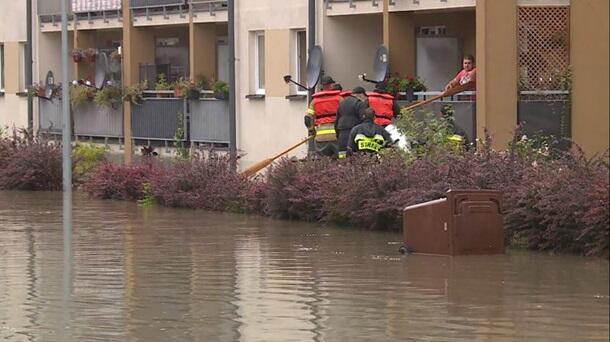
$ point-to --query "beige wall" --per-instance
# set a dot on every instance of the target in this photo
(12, 21)
(349, 45)
(49, 55)
(496, 46)
(279, 63)
(269, 125)
(589, 59)
(13, 111)
(203, 50)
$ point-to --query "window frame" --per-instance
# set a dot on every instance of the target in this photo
(257, 72)
(296, 59)
(2, 67)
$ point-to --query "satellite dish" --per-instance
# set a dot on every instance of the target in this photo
(49, 85)
(101, 70)
(314, 66)
(380, 65)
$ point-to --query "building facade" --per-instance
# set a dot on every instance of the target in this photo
(540, 63)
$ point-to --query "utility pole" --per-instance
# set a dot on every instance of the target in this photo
(28, 63)
(232, 92)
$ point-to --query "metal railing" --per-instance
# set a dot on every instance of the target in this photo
(209, 121)
(133, 4)
(211, 6)
(158, 118)
(50, 116)
(95, 121)
(352, 3)
(49, 7)
(147, 8)
(546, 113)
(464, 112)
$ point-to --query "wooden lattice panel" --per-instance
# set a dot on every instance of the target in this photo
(544, 49)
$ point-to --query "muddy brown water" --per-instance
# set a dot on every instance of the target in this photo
(163, 274)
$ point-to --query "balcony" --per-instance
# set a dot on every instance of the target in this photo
(89, 14)
(209, 10)
(155, 121)
(347, 7)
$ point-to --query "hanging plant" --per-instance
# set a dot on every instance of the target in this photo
(91, 55)
(77, 55)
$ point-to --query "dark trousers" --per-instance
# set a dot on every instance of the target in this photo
(343, 139)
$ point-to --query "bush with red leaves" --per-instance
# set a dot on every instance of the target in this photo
(206, 182)
(30, 163)
(121, 182)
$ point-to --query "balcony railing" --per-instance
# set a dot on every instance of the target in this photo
(158, 7)
(94, 121)
(49, 11)
(211, 6)
(158, 118)
(50, 116)
(463, 106)
(209, 121)
(546, 113)
(352, 3)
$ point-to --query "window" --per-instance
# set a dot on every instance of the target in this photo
(1, 67)
(259, 62)
(301, 60)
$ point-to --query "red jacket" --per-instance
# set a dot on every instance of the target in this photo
(325, 104)
(382, 105)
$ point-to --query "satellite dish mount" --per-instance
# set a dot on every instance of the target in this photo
(314, 69)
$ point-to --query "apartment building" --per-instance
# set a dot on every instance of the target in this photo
(13, 38)
(541, 63)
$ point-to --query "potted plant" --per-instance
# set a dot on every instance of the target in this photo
(133, 93)
(91, 55)
(221, 90)
(202, 82)
(186, 89)
(37, 89)
(162, 84)
(109, 96)
(77, 55)
(411, 85)
(80, 94)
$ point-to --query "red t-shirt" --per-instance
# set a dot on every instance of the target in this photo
(464, 77)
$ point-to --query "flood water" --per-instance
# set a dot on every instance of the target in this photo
(161, 274)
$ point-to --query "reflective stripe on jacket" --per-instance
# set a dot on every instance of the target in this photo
(325, 104)
(366, 144)
(382, 105)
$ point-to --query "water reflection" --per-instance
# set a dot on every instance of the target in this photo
(179, 275)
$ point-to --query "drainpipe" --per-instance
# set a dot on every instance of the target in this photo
(311, 43)
(232, 93)
(28, 63)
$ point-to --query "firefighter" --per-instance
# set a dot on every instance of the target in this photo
(383, 104)
(368, 136)
(321, 117)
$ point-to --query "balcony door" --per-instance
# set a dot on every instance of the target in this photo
(438, 60)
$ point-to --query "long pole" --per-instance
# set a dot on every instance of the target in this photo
(311, 43)
(232, 93)
(67, 169)
(28, 63)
